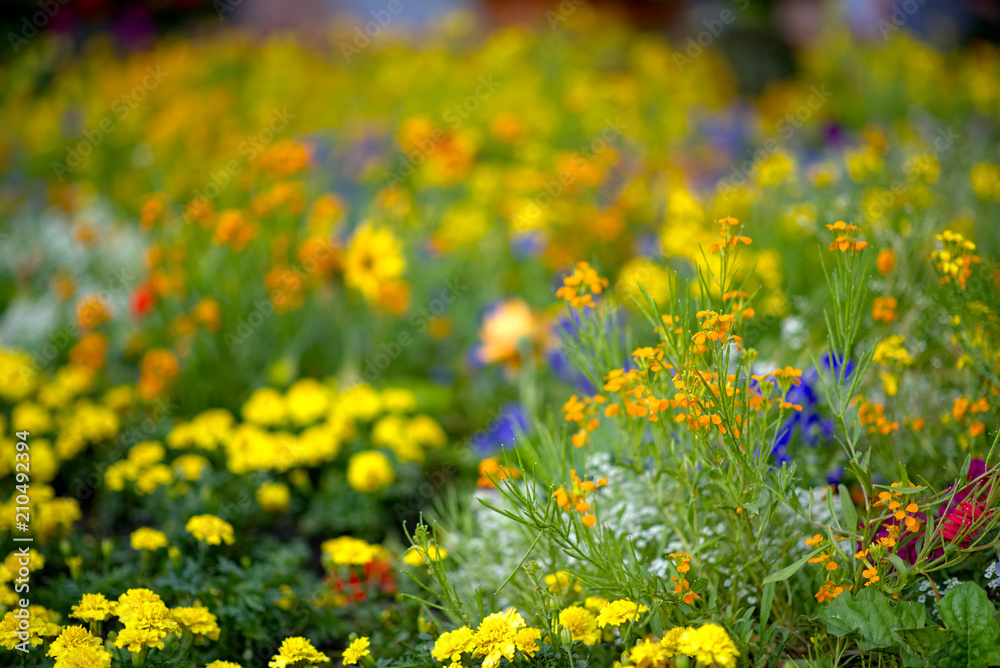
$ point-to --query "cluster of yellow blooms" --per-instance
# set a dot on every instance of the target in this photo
(708, 645)
(147, 623)
(500, 635)
(305, 427)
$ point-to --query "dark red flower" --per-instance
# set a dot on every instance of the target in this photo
(958, 520)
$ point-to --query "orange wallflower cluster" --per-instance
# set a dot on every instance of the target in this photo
(829, 590)
(784, 379)
(964, 408)
(576, 497)
(492, 468)
(894, 502)
(884, 309)
(955, 259)
(885, 262)
(728, 238)
(740, 304)
(682, 562)
(582, 413)
(845, 240)
(873, 416)
(233, 229)
(716, 328)
(580, 286)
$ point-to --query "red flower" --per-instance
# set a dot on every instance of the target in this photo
(958, 520)
(142, 301)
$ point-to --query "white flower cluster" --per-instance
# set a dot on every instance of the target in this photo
(992, 575)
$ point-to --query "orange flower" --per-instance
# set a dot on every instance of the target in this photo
(159, 366)
(92, 311)
(576, 286)
(490, 467)
(90, 350)
(886, 261)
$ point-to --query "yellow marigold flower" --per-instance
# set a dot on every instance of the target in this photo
(561, 582)
(495, 637)
(151, 479)
(451, 645)
(211, 529)
(369, 471)
(265, 407)
(425, 431)
(86, 656)
(223, 664)
(648, 654)
(147, 620)
(308, 401)
(71, 638)
(196, 620)
(93, 608)
(357, 650)
(297, 651)
(618, 612)
(709, 644)
(190, 466)
(526, 641)
(29, 416)
(374, 257)
(19, 375)
(582, 624)
(415, 556)
(595, 604)
(145, 538)
(671, 640)
(274, 497)
(13, 563)
(346, 551)
(399, 400)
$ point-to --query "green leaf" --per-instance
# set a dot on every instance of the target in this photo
(847, 506)
(870, 614)
(789, 571)
(924, 642)
(969, 617)
(766, 600)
